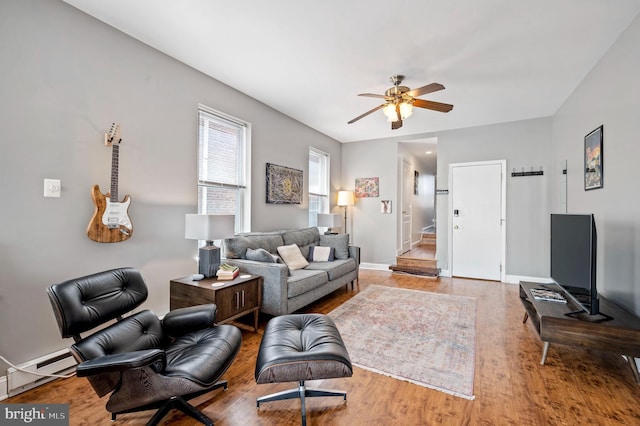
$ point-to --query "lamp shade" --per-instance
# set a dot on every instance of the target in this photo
(208, 227)
(329, 220)
(346, 198)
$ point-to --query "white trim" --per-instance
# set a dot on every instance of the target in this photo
(503, 211)
(375, 266)
(4, 393)
(515, 279)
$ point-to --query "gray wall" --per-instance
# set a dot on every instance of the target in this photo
(64, 78)
(373, 231)
(609, 96)
(523, 144)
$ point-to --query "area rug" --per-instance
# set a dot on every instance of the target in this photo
(422, 337)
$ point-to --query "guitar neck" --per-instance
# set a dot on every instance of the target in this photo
(113, 193)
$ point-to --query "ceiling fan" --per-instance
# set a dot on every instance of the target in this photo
(400, 100)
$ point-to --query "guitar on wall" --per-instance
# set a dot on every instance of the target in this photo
(110, 222)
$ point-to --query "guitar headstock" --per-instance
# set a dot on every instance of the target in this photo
(113, 137)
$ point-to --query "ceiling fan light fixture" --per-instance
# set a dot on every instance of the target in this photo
(406, 109)
(390, 111)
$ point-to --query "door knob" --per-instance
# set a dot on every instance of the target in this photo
(455, 227)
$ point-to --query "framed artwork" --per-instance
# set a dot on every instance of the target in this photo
(416, 179)
(367, 187)
(593, 171)
(385, 206)
(284, 185)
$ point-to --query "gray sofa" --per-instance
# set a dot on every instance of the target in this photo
(286, 290)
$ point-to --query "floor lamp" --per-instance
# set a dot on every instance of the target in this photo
(345, 199)
(208, 227)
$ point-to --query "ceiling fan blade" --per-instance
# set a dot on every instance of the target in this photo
(366, 113)
(373, 95)
(429, 88)
(436, 106)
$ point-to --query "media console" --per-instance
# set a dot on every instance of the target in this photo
(620, 334)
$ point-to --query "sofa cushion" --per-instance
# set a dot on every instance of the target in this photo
(292, 256)
(236, 247)
(334, 269)
(303, 238)
(321, 254)
(339, 242)
(261, 255)
(304, 280)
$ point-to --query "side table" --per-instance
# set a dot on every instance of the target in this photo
(234, 298)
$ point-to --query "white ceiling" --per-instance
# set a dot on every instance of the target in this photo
(500, 60)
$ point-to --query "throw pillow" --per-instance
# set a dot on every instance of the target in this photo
(261, 255)
(321, 254)
(339, 242)
(292, 256)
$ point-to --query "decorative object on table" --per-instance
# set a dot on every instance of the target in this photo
(208, 227)
(400, 100)
(346, 199)
(385, 206)
(227, 272)
(434, 349)
(548, 295)
(110, 222)
(330, 221)
(284, 185)
(367, 187)
(593, 159)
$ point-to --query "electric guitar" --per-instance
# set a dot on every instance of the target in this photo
(110, 222)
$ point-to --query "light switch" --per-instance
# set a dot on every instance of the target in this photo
(52, 188)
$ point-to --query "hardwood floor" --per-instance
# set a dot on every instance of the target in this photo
(575, 387)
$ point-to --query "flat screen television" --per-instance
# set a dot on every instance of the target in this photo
(573, 257)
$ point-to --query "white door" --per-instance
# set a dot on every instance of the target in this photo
(476, 212)
(407, 185)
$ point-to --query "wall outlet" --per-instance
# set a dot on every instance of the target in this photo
(52, 188)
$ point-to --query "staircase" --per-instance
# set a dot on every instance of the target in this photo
(419, 261)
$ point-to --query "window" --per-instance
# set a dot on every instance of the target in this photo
(318, 184)
(223, 164)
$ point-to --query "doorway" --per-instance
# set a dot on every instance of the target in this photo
(477, 231)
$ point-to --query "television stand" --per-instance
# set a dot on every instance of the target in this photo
(619, 335)
(583, 316)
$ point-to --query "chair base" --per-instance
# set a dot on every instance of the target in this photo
(178, 403)
(301, 392)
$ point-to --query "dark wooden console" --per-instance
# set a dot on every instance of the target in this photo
(619, 335)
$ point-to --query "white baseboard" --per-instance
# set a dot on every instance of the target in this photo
(4, 393)
(515, 279)
(375, 266)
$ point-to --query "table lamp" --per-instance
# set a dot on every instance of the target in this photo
(208, 227)
(329, 220)
(346, 198)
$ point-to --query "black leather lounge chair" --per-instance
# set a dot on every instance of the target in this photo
(143, 361)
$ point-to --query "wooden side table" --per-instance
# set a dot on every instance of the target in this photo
(234, 298)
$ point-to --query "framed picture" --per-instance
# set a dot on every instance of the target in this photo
(593, 171)
(367, 187)
(385, 206)
(284, 185)
(416, 180)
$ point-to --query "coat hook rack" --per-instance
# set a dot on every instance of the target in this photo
(529, 173)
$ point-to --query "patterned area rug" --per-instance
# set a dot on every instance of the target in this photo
(422, 337)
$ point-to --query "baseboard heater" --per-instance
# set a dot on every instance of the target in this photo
(30, 373)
